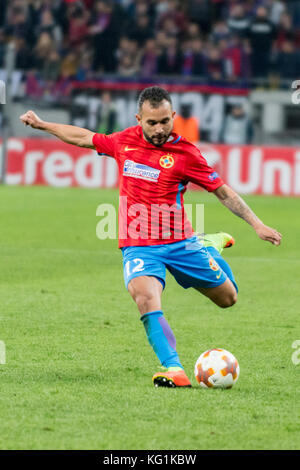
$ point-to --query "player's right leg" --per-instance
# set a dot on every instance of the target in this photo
(146, 292)
(145, 285)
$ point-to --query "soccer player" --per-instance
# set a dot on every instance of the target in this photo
(155, 166)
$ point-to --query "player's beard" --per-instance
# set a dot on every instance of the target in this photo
(157, 140)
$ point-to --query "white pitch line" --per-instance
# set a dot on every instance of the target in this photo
(100, 252)
(256, 258)
(55, 250)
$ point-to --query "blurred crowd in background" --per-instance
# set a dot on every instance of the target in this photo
(219, 40)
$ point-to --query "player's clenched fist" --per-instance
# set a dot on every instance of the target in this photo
(32, 119)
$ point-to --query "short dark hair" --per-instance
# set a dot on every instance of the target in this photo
(155, 95)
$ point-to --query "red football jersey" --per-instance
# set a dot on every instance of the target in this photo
(152, 182)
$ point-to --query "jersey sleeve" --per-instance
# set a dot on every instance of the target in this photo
(105, 144)
(199, 172)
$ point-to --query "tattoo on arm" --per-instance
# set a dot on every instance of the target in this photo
(236, 205)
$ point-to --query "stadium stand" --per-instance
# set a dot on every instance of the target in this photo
(59, 41)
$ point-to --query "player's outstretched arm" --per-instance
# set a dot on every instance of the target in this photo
(229, 198)
(69, 134)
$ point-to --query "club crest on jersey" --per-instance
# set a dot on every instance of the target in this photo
(140, 171)
(166, 161)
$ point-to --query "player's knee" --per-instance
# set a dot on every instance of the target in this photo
(145, 301)
(229, 300)
(146, 294)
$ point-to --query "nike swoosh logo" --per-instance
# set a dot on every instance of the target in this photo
(127, 149)
(218, 277)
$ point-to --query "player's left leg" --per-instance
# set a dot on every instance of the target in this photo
(224, 295)
(215, 244)
(219, 240)
(194, 265)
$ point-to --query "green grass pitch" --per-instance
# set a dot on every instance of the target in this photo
(78, 366)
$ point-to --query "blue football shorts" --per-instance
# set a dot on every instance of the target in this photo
(187, 260)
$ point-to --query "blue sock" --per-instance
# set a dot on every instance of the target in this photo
(161, 338)
(223, 264)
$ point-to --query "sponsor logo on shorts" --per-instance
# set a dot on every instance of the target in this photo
(213, 176)
(137, 170)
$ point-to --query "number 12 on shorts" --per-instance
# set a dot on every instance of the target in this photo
(134, 266)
